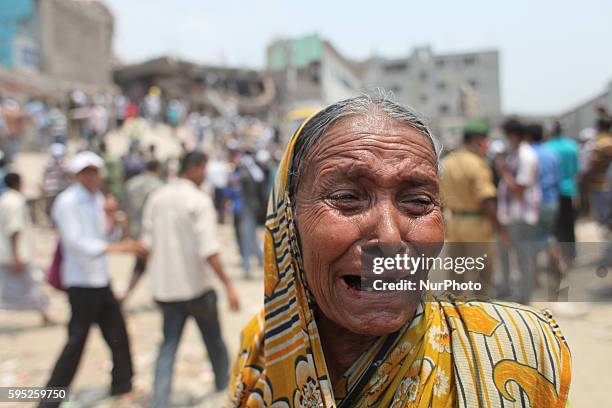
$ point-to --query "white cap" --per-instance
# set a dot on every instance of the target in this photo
(587, 134)
(57, 150)
(83, 160)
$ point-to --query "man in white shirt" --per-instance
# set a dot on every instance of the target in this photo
(518, 205)
(78, 213)
(180, 231)
(18, 289)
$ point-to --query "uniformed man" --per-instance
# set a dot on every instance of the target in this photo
(470, 201)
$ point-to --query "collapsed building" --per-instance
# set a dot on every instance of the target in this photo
(226, 91)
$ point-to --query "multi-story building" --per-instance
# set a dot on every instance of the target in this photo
(442, 85)
(76, 40)
(447, 88)
(310, 71)
(49, 47)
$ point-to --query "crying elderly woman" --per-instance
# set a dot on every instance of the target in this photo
(364, 171)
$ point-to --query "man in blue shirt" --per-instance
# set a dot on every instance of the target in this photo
(567, 150)
(550, 176)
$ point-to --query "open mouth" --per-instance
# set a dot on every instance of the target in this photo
(353, 282)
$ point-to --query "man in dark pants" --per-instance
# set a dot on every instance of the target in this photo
(89, 306)
(79, 215)
(175, 314)
(179, 227)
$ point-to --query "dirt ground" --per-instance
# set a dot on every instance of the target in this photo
(28, 350)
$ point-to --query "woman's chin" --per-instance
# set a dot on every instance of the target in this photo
(378, 323)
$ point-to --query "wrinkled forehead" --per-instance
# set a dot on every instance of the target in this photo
(375, 135)
(380, 134)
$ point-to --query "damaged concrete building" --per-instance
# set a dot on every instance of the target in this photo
(447, 88)
(50, 47)
(224, 90)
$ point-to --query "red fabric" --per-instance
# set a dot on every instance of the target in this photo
(54, 275)
(131, 111)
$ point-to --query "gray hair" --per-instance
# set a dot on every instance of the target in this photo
(358, 106)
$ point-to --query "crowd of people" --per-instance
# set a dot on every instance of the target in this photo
(154, 209)
(523, 190)
(42, 120)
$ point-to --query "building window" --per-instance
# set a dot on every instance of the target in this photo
(423, 76)
(443, 109)
(396, 67)
(473, 83)
(470, 60)
(440, 62)
(314, 69)
(441, 85)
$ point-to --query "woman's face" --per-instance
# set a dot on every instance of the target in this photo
(370, 179)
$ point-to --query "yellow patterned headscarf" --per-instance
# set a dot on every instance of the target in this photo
(466, 354)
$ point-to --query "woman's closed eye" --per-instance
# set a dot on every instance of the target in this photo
(417, 205)
(346, 200)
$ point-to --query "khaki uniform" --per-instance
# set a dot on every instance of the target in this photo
(600, 159)
(466, 182)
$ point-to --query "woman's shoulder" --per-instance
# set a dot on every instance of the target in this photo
(251, 336)
(513, 346)
(503, 313)
(491, 317)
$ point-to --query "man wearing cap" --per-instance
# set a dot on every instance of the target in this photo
(79, 216)
(469, 197)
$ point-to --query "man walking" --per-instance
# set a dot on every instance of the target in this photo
(18, 289)
(179, 229)
(79, 215)
(137, 190)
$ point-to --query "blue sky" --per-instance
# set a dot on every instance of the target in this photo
(554, 54)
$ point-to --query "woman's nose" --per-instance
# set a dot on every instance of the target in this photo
(387, 221)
